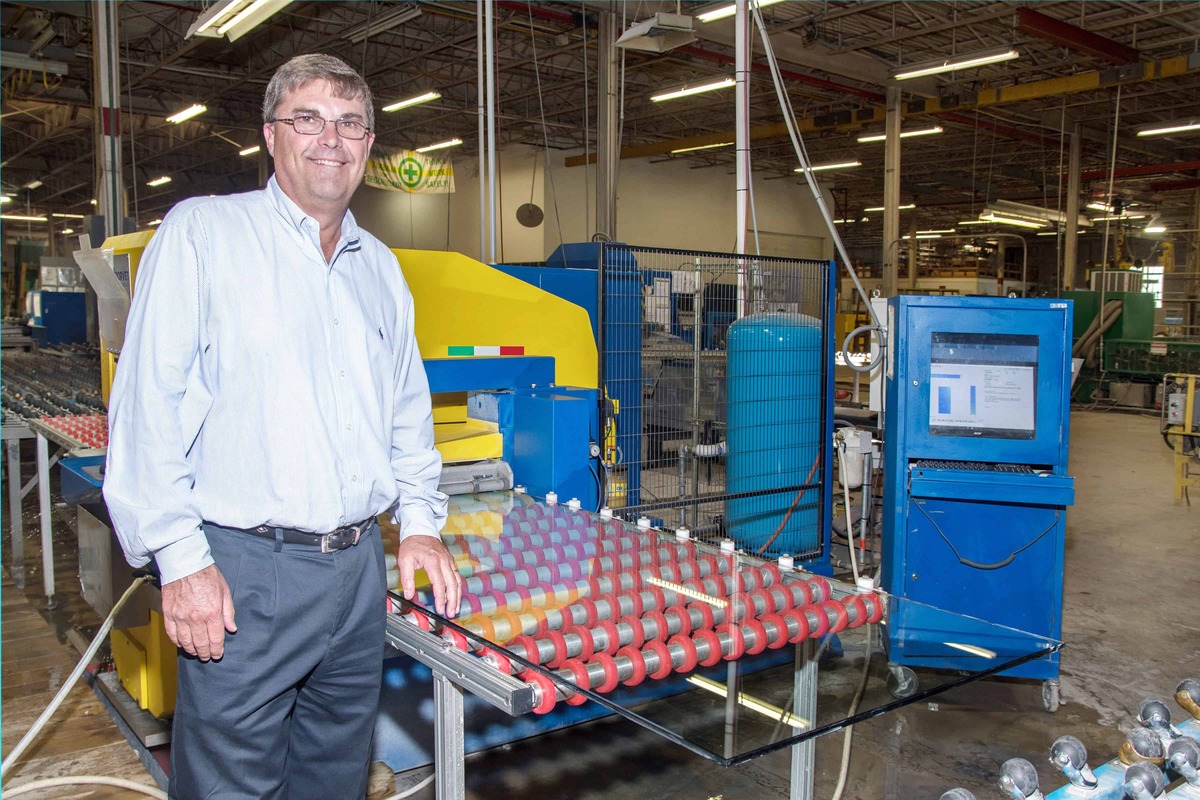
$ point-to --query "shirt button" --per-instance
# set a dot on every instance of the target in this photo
(354, 478)
(349, 426)
(342, 373)
(335, 321)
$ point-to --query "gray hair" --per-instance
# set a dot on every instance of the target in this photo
(303, 70)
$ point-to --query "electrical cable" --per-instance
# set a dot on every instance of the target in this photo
(407, 793)
(975, 564)
(78, 780)
(812, 471)
(841, 451)
(69, 683)
(858, 696)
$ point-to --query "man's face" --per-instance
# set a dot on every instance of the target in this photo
(319, 173)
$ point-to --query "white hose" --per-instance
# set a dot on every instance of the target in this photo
(841, 451)
(407, 793)
(70, 682)
(862, 688)
(73, 780)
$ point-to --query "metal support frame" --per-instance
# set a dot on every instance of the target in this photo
(803, 772)
(15, 495)
(1070, 248)
(449, 751)
(891, 192)
(43, 471)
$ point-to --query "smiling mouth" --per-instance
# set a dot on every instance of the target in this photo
(325, 162)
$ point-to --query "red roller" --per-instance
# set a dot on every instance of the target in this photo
(513, 619)
(714, 646)
(457, 639)
(587, 643)
(772, 569)
(760, 637)
(763, 596)
(684, 618)
(876, 608)
(804, 590)
(638, 661)
(638, 607)
(842, 617)
(705, 611)
(660, 598)
(589, 607)
(781, 634)
(610, 672)
(690, 657)
(614, 640)
(857, 607)
(664, 660)
(526, 647)
(821, 583)
(560, 649)
(670, 572)
(485, 581)
(798, 616)
(546, 689)
(614, 605)
(737, 642)
(472, 603)
(822, 624)
(539, 614)
(660, 620)
(639, 631)
(579, 670)
(497, 659)
(420, 620)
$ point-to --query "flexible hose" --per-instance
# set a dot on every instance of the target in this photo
(71, 680)
(407, 793)
(858, 696)
(94, 780)
(841, 451)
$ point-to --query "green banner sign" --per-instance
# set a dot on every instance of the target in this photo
(409, 171)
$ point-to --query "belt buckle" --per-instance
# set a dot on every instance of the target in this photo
(342, 542)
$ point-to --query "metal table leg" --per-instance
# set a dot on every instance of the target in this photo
(805, 707)
(43, 470)
(449, 747)
(13, 448)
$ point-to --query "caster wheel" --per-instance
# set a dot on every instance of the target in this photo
(1050, 697)
(902, 682)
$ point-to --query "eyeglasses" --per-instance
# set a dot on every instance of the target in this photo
(311, 125)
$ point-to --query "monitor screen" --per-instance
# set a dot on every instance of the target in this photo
(983, 385)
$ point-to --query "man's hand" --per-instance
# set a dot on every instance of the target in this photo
(197, 610)
(429, 553)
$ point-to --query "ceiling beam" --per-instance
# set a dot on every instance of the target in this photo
(1062, 33)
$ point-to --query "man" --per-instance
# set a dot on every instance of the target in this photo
(270, 401)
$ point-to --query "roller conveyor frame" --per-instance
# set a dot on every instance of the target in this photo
(566, 606)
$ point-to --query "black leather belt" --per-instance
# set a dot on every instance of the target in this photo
(339, 539)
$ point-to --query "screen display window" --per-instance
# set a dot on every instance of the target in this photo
(983, 385)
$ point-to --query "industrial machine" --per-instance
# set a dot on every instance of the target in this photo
(976, 484)
(1157, 759)
(1181, 429)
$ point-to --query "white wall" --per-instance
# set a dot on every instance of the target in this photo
(665, 204)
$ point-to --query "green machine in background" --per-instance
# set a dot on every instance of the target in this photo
(1122, 357)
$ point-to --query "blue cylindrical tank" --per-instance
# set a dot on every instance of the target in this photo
(773, 433)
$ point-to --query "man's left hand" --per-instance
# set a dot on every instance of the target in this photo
(428, 553)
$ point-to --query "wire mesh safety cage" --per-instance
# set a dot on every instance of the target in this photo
(718, 394)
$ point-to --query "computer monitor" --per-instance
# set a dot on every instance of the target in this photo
(983, 385)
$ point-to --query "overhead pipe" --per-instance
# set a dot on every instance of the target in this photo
(481, 122)
(489, 20)
(741, 104)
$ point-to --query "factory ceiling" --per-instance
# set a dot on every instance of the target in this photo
(1103, 65)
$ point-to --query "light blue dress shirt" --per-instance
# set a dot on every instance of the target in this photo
(260, 385)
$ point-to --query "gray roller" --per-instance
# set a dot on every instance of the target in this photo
(1187, 694)
(1183, 757)
(1143, 744)
(1155, 714)
(1143, 781)
(1070, 756)
(1019, 780)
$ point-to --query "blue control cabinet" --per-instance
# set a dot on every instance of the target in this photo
(976, 485)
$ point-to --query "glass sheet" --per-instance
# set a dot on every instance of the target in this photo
(564, 596)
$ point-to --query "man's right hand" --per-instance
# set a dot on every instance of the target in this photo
(197, 610)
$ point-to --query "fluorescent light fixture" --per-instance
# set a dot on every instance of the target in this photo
(1099, 206)
(155, 221)
(923, 236)
(722, 83)
(1165, 128)
(413, 101)
(67, 216)
(159, 181)
(194, 110)
(22, 218)
(824, 167)
(67, 231)
(951, 63)
(975, 222)
(750, 702)
(1020, 223)
(879, 137)
(1007, 208)
(206, 24)
(455, 142)
(33, 184)
(386, 22)
(658, 34)
(905, 207)
(94, 201)
(1159, 228)
(249, 18)
(5, 199)
(249, 151)
(700, 147)
(726, 11)
(939, 230)
(1113, 218)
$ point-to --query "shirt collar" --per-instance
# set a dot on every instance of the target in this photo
(296, 216)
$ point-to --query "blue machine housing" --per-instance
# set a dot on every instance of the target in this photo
(976, 485)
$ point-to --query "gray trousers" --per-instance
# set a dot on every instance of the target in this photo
(288, 712)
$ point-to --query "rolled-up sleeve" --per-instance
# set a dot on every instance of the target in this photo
(157, 398)
(416, 463)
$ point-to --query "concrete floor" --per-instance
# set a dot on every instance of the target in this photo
(1129, 624)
